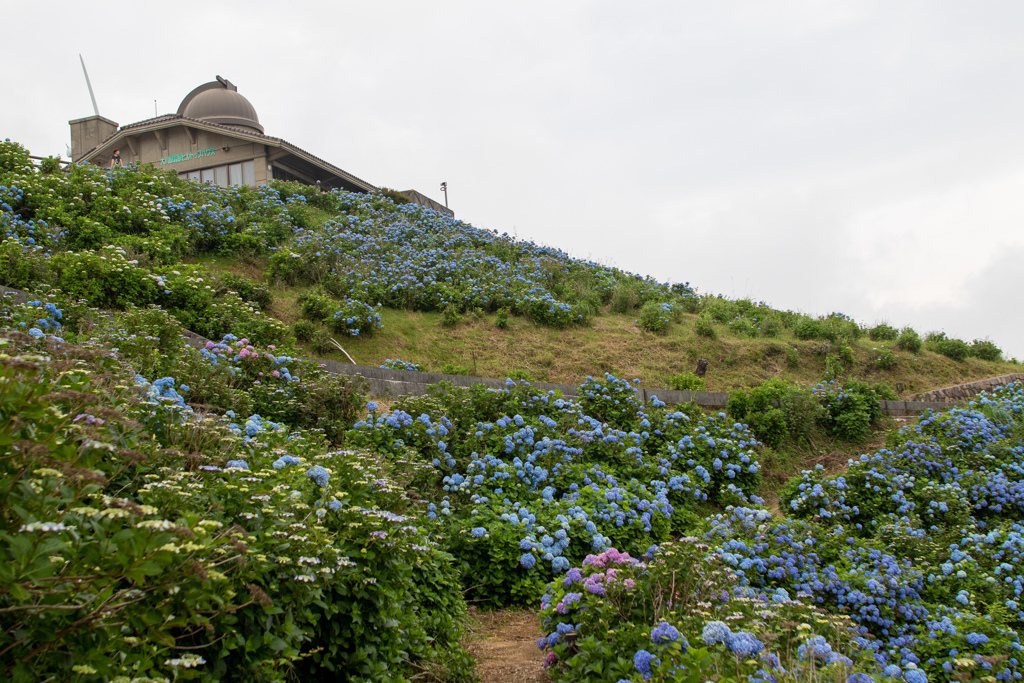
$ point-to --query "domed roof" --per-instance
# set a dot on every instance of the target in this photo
(220, 104)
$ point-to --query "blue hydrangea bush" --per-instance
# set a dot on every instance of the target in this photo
(677, 613)
(550, 481)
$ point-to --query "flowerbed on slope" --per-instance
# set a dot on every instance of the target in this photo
(114, 236)
(526, 483)
(918, 547)
(145, 540)
(906, 567)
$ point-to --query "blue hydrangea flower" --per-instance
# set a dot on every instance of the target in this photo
(664, 633)
(319, 475)
(715, 632)
(915, 676)
(642, 661)
(528, 560)
(816, 647)
(977, 638)
(743, 644)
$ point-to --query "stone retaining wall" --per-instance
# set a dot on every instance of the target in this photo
(962, 392)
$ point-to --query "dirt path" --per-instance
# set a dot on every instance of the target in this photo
(505, 646)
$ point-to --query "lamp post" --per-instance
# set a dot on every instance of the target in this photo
(444, 188)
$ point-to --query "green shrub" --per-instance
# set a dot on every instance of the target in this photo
(454, 369)
(846, 356)
(908, 340)
(22, 268)
(502, 320)
(718, 309)
(883, 332)
(762, 408)
(771, 326)
(647, 595)
(230, 315)
(520, 376)
(625, 298)
(317, 307)
(304, 330)
(321, 342)
(835, 328)
(957, 349)
(686, 381)
(986, 350)
(655, 317)
(704, 326)
(850, 408)
(450, 316)
(49, 165)
(547, 311)
(395, 196)
(807, 328)
(355, 318)
(770, 426)
(792, 357)
(803, 413)
(883, 392)
(247, 290)
(743, 327)
(885, 359)
(738, 405)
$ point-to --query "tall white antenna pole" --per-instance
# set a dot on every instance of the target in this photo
(89, 85)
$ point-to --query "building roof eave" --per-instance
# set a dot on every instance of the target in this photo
(330, 168)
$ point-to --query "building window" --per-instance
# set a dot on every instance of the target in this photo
(249, 173)
(243, 173)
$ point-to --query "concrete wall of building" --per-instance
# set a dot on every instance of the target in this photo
(173, 149)
(88, 132)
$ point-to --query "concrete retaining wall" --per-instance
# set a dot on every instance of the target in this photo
(394, 383)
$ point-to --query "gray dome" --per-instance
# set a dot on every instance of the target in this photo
(220, 105)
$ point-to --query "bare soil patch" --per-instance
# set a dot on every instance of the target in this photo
(504, 643)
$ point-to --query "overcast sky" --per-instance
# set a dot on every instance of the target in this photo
(862, 157)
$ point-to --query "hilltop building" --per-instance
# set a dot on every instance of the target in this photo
(214, 137)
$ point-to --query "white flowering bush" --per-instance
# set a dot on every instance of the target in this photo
(145, 539)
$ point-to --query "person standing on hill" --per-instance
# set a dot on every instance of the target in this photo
(115, 159)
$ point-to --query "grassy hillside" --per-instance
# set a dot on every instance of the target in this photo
(174, 513)
(393, 281)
